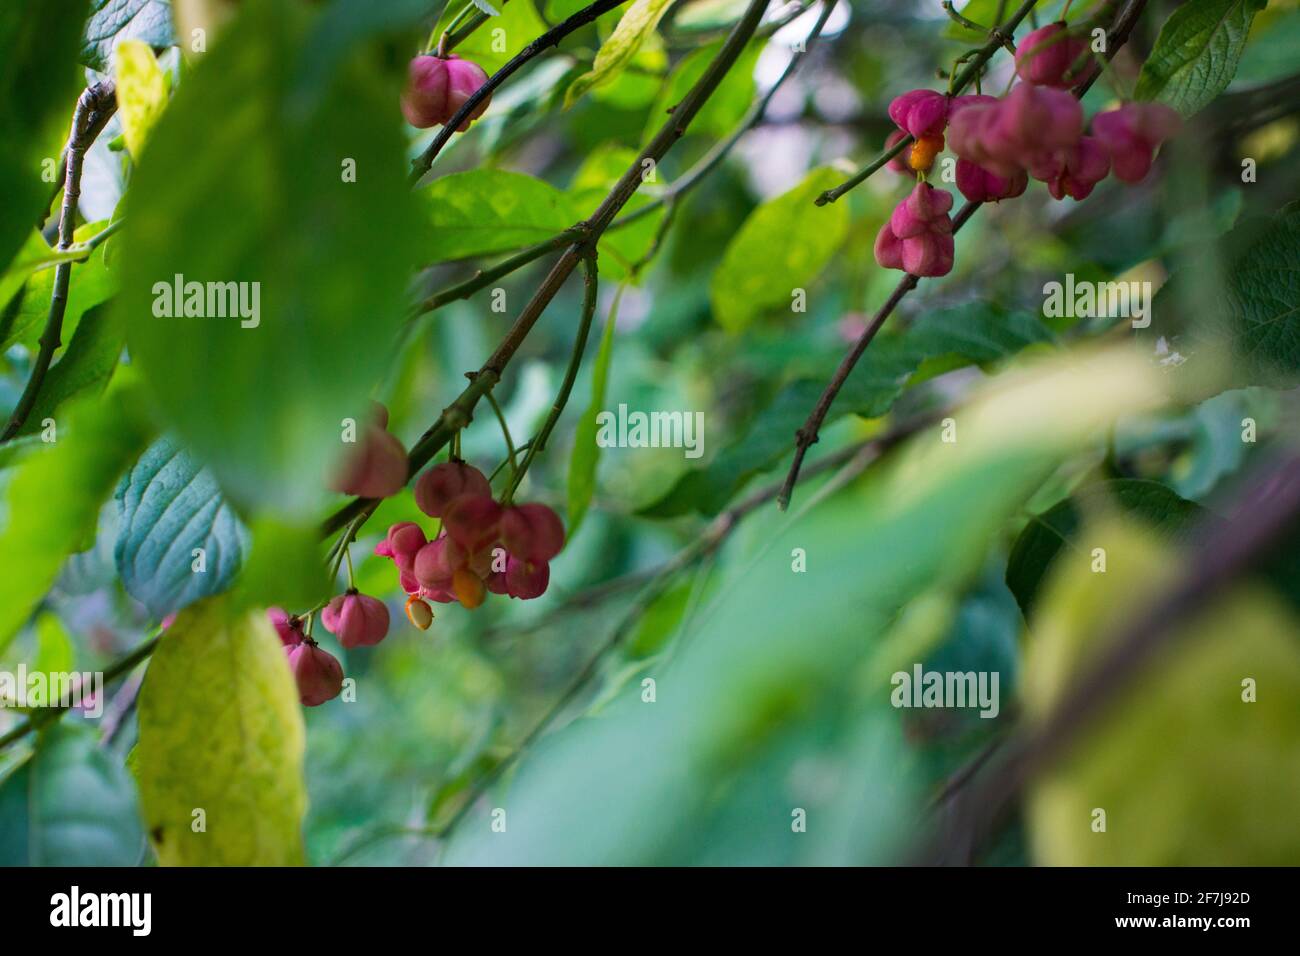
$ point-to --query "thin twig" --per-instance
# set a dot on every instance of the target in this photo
(94, 106)
(590, 287)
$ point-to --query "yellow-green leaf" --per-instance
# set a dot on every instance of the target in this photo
(782, 246)
(141, 92)
(615, 53)
(221, 732)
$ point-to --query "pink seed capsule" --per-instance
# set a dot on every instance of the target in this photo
(356, 619)
(317, 673)
(532, 532)
(442, 484)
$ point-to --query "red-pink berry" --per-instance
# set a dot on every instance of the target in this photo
(356, 619)
(376, 468)
(923, 113)
(980, 185)
(317, 673)
(403, 542)
(433, 566)
(1072, 171)
(1131, 135)
(526, 579)
(287, 626)
(1048, 57)
(442, 484)
(532, 532)
(437, 87)
(471, 521)
(918, 236)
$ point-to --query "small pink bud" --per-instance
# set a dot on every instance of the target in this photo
(1047, 57)
(532, 532)
(318, 674)
(356, 619)
(442, 484)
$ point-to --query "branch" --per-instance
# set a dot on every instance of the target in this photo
(95, 105)
(718, 153)
(807, 434)
(459, 413)
(550, 38)
(1226, 550)
(590, 286)
(998, 38)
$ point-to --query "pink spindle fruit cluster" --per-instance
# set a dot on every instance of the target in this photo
(483, 545)
(436, 87)
(1035, 131)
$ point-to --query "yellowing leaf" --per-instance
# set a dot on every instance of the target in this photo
(141, 92)
(221, 732)
(615, 53)
(1186, 770)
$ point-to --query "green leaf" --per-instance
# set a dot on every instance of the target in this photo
(86, 366)
(321, 256)
(484, 211)
(54, 496)
(637, 23)
(70, 804)
(586, 453)
(781, 247)
(112, 21)
(1058, 529)
(723, 110)
(141, 92)
(1251, 322)
(167, 506)
(1196, 54)
(221, 731)
(37, 43)
(519, 25)
(977, 333)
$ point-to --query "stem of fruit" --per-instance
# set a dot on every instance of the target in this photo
(505, 433)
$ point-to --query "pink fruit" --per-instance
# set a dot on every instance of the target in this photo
(433, 566)
(288, 627)
(918, 236)
(442, 484)
(403, 542)
(437, 87)
(471, 521)
(920, 112)
(1072, 171)
(526, 579)
(979, 185)
(533, 532)
(1047, 57)
(356, 619)
(1131, 135)
(318, 674)
(376, 468)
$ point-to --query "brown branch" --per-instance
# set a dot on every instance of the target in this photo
(94, 107)
(807, 433)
